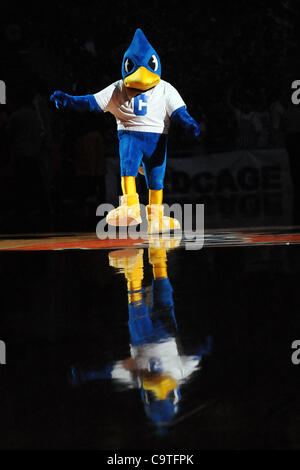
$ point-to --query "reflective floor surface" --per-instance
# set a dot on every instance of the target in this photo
(181, 342)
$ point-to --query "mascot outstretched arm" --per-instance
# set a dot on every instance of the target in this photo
(143, 105)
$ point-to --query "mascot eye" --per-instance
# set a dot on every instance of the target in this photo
(153, 63)
(128, 66)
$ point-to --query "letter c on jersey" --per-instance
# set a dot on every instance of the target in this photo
(140, 105)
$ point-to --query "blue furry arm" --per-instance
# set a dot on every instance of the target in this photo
(78, 103)
(182, 117)
(79, 376)
(204, 349)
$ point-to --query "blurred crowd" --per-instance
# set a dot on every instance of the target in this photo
(233, 67)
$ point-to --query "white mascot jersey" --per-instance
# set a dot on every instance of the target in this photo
(149, 111)
(166, 354)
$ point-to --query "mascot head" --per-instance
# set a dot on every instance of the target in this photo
(141, 69)
(160, 395)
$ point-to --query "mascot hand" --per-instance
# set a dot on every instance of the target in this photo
(195, 129)
(61, 100)
(183, 118)
(77, 103)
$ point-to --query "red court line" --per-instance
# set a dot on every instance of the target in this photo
(278, 238)
(83, 244)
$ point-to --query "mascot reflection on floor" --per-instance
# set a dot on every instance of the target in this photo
(156, 366)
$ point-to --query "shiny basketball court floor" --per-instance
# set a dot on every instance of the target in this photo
(90, 241)
(101, 355)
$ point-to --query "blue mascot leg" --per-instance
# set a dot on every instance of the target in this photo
(163, 307)
(140, 324)
(154, 161)
(131, 152)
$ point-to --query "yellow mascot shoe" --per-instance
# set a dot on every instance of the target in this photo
(158, 259)
(130, 263)
(164, 242)
(157, 222)
(128, 213)
(157, 256)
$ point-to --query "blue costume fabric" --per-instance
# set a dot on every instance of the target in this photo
(79, 376)
(181, 116)
(155, 323)
(150, 150)
(160, 412)
(77, 103)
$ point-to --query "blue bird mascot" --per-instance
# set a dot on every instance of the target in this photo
(143, 105)
(156, 366)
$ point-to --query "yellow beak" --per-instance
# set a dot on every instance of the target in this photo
(142, 79)
(161, 386)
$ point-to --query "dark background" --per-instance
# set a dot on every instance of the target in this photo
(221, 56)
